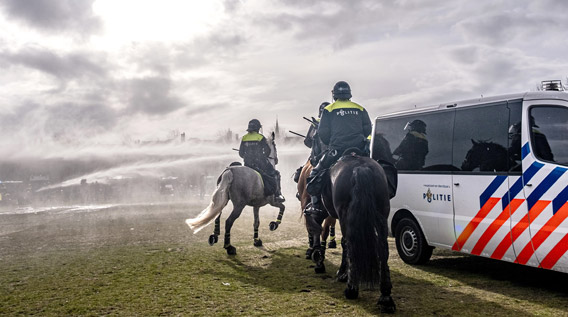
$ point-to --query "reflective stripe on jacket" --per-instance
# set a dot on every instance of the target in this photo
(344, 124)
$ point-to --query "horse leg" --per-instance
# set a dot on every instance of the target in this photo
(318, 254)
(310, 249)
(342, 271)
(352, 289)
(385, 303)
(231, 250)
(257, 241)
(274, 224)
(214, 238)
(325, 231)
(332, 243)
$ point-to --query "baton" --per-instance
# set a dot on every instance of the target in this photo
(298, 134)
(310, 120)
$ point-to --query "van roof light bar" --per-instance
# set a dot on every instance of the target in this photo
(554, 85)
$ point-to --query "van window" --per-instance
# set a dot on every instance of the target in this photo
(481, 139)
(515, 140)
(419, 142)
(549, 133)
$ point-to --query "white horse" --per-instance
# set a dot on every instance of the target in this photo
(244, 187)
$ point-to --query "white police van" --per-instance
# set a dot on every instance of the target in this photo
(486, 177)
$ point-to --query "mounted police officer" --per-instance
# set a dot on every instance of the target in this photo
(344, 125)
(313, 141)
(255, 152)
(413, 149)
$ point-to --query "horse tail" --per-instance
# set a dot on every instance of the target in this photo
(219, 200)
(364, 226)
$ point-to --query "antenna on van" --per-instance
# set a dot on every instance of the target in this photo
(552, 85)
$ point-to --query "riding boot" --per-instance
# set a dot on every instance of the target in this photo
(278, 195)
(315, 209)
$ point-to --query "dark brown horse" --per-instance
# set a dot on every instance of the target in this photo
(328, 223)
(358, 196)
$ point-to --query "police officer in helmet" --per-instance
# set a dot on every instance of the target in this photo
(413, 149)
(313, 140)
(344, 125)
(255, 152)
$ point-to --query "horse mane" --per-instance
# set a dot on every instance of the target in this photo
(488, 142)
(273, 158)
(490, 163)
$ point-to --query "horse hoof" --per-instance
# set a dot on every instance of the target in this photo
(213, 239)
(317, 256)
(319, 269)
(386, 305)
(332, 244)
(257, 243)
(273, 225)
(309, 252)
(351, 293)
(231, 250)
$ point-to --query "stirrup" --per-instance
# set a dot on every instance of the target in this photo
(279, 198)
(312, 210)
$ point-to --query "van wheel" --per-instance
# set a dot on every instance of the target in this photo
(410, 242)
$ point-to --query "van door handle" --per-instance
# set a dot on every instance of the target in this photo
(529, 185)
(457, 184)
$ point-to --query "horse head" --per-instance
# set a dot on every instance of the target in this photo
(381, 149)
(486, 155)
(273, 158)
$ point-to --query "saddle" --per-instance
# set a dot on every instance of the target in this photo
(269, 182)
(316, 185)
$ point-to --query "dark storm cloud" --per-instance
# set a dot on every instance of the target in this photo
(344, 25)
(66, 117)
(504, 27)
(67, 16)
(59, 121)
(152, 95)
(62, 66)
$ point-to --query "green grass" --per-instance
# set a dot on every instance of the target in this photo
(148, 265)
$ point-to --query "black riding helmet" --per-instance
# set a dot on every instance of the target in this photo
(254, 125)
(341, 91)
(418, 126)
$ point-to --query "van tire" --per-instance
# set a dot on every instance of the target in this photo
(410, 242)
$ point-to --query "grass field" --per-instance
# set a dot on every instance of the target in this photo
(143, 260)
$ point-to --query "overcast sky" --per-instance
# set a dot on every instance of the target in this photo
(107, 71)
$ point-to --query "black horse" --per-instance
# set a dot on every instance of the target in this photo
(358, 196)
(488, 156)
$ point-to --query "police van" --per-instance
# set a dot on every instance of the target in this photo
(486, 177)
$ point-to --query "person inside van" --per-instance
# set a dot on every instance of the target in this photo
(515, 143)
(514, 150)
(413, 149)
(540, 142)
